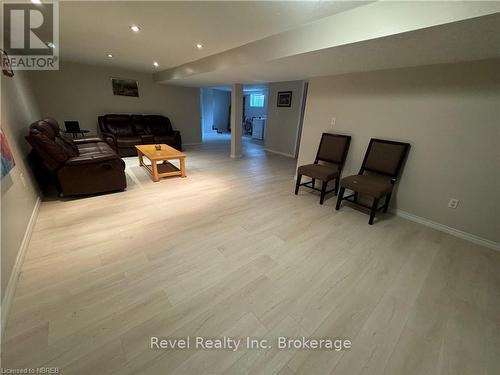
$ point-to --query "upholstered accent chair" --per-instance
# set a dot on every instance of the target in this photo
(381, 167)
(330, 159)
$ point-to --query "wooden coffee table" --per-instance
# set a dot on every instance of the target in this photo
(160, 167)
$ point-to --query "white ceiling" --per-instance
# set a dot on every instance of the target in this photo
(473, 39)
(170, 30)
(255, 42)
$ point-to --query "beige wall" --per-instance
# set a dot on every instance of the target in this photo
(220, 106)
(19, 190)
(83, 92)
(283, 122)
(451, 116)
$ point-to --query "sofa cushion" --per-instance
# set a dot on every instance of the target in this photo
(128, 141)
(69, 142)
(66, 146)
(52, 152)
(96, 147)
(53, 123)
(91, 158)
(167, 139)
(147, 139)
(45, 128)
(81, 141)
(119, 125)
(139, 125)
(49, 128)
(158, 125)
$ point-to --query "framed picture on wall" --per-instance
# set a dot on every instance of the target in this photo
(284, 99)
(125, 87)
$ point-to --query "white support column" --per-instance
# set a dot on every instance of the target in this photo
(236, 119)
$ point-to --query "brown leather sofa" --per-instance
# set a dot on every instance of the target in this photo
(81, 166)
(123, 132)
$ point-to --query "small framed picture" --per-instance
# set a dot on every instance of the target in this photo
(125, 87)
(284, 99)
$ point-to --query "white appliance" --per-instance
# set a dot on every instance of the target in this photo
(258, 125)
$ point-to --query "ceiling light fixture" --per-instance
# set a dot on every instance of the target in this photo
(199, 46)
(110, 55)
(36, 1)
(135, 28)
(155, 64)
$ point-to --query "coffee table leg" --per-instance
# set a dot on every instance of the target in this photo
(154, 168)
(183, 167)
(139, 154)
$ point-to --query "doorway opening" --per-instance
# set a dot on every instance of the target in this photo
(215, 112)
(215, 103)
(255, 101)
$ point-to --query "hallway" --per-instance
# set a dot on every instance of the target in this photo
(222, 142)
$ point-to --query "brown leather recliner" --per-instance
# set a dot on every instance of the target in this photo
(82, 166)
(123, 132)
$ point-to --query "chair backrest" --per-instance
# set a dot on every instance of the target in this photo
(72, 126)
(333, 148)
(384, 157)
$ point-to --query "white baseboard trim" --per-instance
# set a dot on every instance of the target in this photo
(16, 270)
(279, 153)
(446, 229)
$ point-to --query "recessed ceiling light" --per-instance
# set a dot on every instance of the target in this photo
(134, 28)
(155, 64)
(110, 55)
(51, 45)
(36, 1)
(199, 46)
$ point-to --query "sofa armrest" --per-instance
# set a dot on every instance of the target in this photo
(86, 140)
(110, 139)
(91, 159)
(177, 140)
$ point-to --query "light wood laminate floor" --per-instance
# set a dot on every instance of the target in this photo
(230, 250)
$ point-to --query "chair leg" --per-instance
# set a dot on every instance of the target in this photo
(297, 184)
(373, 210)
(337, 183)
(339, 198)
(386, 203)
(323, 191)
(355, 197)
(313, 182)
